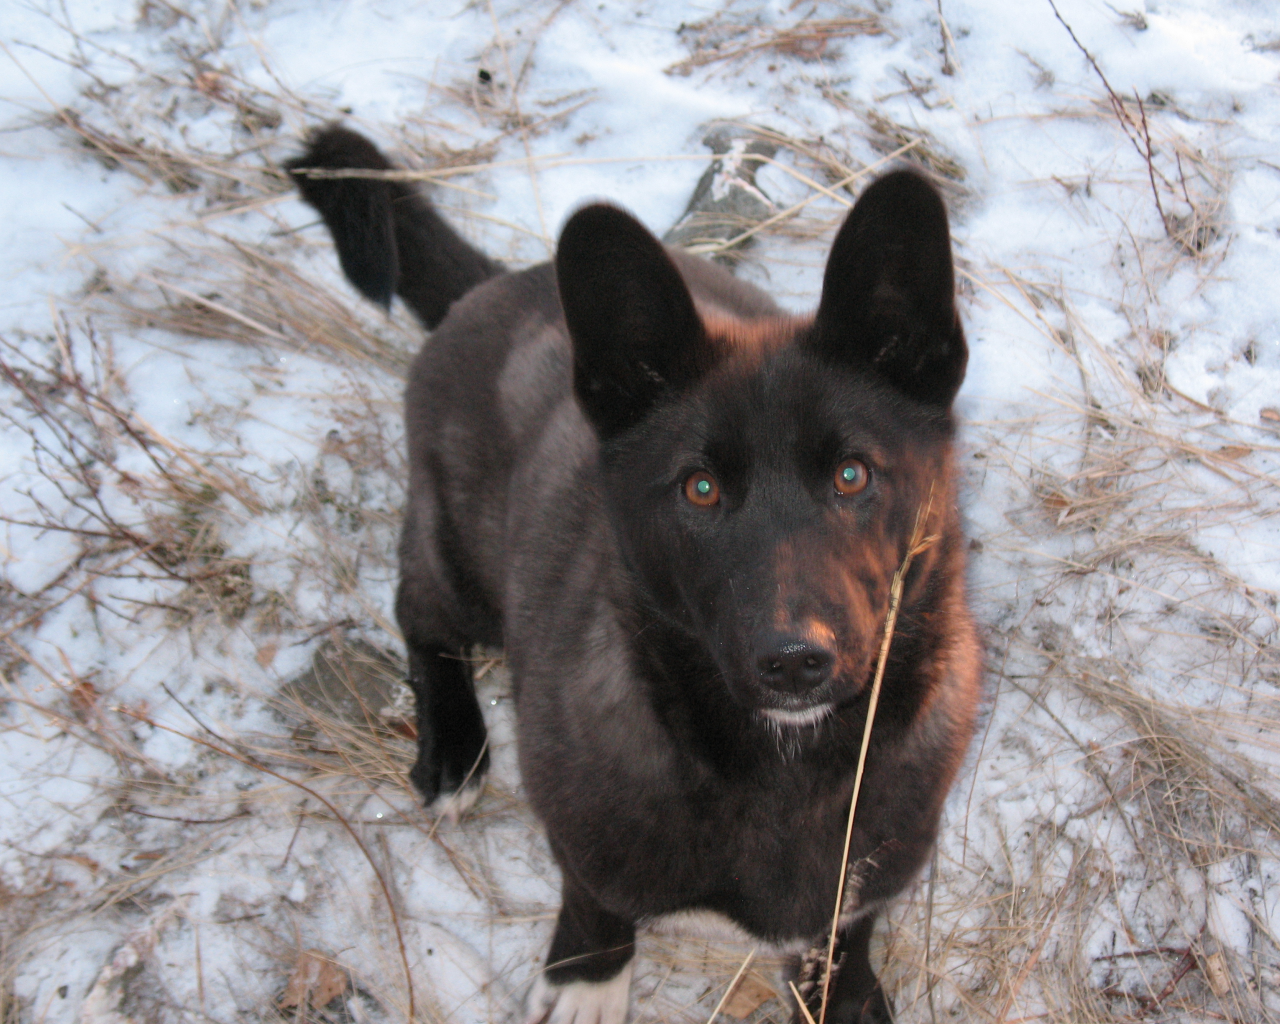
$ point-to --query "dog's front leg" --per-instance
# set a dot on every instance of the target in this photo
(855, 995)
(588, 974)
(453, 756)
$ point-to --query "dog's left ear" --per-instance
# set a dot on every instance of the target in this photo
(888, 295)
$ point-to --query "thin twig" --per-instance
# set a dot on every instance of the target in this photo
(1151, 172)
(804, 1007)
(732, 985)
(918, 544)
(948, 44)
(1131, 130)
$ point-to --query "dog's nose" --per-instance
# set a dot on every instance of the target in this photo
(790, 663)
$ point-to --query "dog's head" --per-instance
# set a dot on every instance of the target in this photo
(765, 475)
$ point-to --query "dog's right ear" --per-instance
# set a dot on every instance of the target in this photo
(636, 334)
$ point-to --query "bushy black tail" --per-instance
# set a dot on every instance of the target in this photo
(389, 239)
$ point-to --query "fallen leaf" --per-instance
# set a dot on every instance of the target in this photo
(83, 697)
(316, 980)
(82, 860)
(751, 994)
(266, 654)
(1235, 451)
(150, 854)
(1271, 415)
(403, 727)
(211, 84)
(1215, 969)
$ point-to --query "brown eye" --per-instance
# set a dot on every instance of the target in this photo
(702, 490)
(852, 476)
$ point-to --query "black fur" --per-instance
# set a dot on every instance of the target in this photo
(389, 239)
(662, 651)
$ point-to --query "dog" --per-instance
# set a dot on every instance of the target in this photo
(680, 510)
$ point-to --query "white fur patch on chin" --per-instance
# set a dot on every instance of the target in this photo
(453, 806)
(579, 1002)
(797, 719)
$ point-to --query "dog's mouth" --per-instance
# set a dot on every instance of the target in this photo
(797, 718)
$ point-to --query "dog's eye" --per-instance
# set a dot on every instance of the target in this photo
(852, 476)
(701, 489)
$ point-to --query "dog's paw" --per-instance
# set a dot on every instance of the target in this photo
(451, 785)
(452, 806)
(868, 1008)
(579, 1002)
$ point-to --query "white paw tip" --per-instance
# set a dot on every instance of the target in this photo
(453, 806)
(579, 1002)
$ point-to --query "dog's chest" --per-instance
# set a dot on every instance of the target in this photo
(769, 861)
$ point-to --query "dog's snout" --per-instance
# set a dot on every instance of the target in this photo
(792, 663)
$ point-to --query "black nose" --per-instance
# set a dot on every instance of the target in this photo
(791, 664)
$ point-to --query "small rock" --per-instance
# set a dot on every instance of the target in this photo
(726, 201)
(351, 680)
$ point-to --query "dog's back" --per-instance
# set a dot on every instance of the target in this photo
(681, 510)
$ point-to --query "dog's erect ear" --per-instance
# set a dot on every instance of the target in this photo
(888, 296)
(636, 335)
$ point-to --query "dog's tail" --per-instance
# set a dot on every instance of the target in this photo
(389, 239)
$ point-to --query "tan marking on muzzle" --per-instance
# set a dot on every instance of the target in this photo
(795, 597)
(785, 571)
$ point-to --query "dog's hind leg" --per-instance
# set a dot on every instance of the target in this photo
(587, 979)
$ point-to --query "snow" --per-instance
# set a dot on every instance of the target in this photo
(1119, 461)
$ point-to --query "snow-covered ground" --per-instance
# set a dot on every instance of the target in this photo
(200, 472)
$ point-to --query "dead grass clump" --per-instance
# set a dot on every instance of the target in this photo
(718, 39)
(887, 136)
(231, 290)
(128, 522)
(149, 162)
(910, 145)
(427, 149)
(1194, 215)
(1194, 792)
(1110, 912)
(18, 912)
(352, 714)
(251, 115)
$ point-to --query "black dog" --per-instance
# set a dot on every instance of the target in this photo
(680, 511)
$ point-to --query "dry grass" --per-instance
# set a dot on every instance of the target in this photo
(1108, 796)
(1161, 741)
(718, 39)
